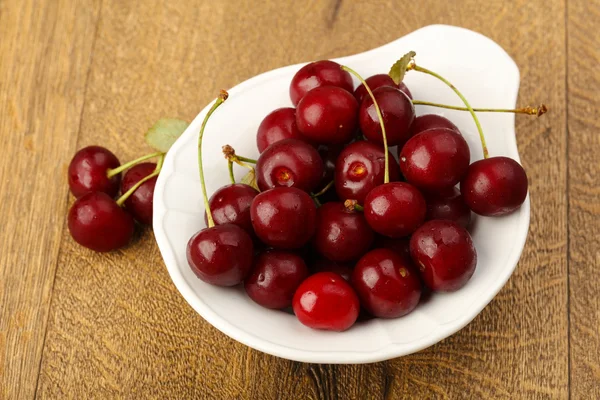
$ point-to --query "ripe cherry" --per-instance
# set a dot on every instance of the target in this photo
(387, 284)
(275, 277)
(449, 205)
(140, 203)
(377, 81)
(326, 301)
(318, 74)
(231, 205)
(494, 186)
(88, 172)
(431, 121)
(278, 125)
(342, 269)
(445, 255)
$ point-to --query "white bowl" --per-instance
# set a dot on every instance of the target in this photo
(480, 69)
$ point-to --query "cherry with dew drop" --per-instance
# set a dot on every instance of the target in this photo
(377, 81)
(318, 74)
(448, 205)
(278, 125)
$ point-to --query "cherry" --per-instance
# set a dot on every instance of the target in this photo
(88, 172)
(398, 114)
(326, 301)
(435, 159)
(96, 221)
(399, 246)
(275, 277)
(395, 209)
(284, 217)
(448, 205)
(431, 121)
(387, 284)
(278, 125)
(327, 115)
(402, 86)
(231, 205)
(342, 269)
(290, 163)
(318, 74)
(445, 255)
(494, 186)
(140, 203)
(375, 82)
(360, 168)
(341, 234)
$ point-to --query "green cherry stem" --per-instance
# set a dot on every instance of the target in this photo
(246, 159)
(322, 192)
(537, 111)
(121, 200)
(386, 176)
(230, 168)
(115, 171)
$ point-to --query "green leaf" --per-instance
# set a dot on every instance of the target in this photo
(164, 133)
(399, 68)
(250, 179)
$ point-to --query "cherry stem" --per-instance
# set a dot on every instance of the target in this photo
(115, 171)
(386, 176)
(538, 111)
(230, 168)
(352, 205)
(246, 159)
(222, 97)
(121, 200)
(322, 192)
(229, 153)
(464, 100)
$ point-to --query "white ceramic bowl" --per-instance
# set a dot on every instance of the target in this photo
(480, 69)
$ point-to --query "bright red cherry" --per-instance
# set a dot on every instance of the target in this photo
(494, 186)
(448, 205)
(445, 255)
(342, 269)
(88, 172)
(326, 301)
(377, 81)
(327, 115)
(431, 121)
(318, 74)
(387, 284)
(278, 125)
(98, 223)
(231, 205)
(140, 203)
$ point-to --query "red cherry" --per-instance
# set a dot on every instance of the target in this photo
(395, 209)
(275, 277)
(327, 115)
(435, 159)
(318, 74)
(284, 217)
(445, 255)
(98, 223)
(387, 284)
(221, 255)
(291, 163)
(140, 203)
(231, 205)
(88, 172)
(426, 122)
(342, 269)
(494, 186)
(448, 205)
(402, 86)
(278, 125)
(326, 301)
(377, 81)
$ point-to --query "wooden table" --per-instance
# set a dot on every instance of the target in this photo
(76, 324)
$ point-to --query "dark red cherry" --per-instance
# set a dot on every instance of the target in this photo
(231, 205)
(402, 86)
(326, 301)
(494, 186)
(98, 223)
(88, 172)
(399, 246)
(341, 234)
(387, 284)
(275, 277)
(290, 163)
(327, 115)
(435, 159)
(398, 114)
(284, 217)
(359, 168)
(445, 255)
(317, 74)
(448, 205)
(342, 269)
(377, 81)
(278, 125)
(221, 255)
(431, 121)
(140, 203)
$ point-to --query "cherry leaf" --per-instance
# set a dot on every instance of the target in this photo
(164, 133)
(250, 179)
(399, 68)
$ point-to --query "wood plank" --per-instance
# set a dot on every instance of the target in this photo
(584, 196)
(45, 52)
(118, 327)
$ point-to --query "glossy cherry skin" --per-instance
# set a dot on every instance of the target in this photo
(341, 235)
(359, 168)
(395, 209)
(375, 82)
(275, 277)
(435, 159)
(445, 255)
(494, 186)
(431, 121)
(387, 284)
(88, 169)
(327, 115)
(342, 269)
(140, 203)
(277, 125)
(98, 223)
(284, 217)
(289, 163)
(318, 74)
(231, 205)
(221, 255)
(448, 205)
(398, 114)
(326, 301)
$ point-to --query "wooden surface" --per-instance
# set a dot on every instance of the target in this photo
(75, 324)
